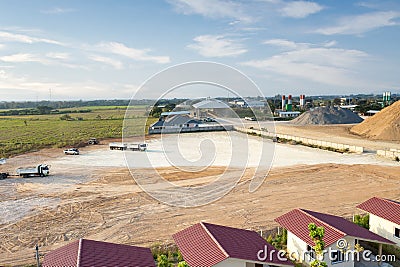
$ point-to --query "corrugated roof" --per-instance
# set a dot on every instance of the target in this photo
(384, 208)
(297, 221)
(96, 253)
(175, 113)
(210, 104)
(206, 244)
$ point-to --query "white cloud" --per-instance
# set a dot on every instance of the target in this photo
(324, 65)
(55, 55)
(2, 46)
(132, 53)
(217, 46)
(362, 23)
(330, 43)
(212, 9)
(286, 44)
(22, 38)
(110, 61)
(300, 9)
(20, 58)
(57, 10)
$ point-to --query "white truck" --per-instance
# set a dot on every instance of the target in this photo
(40, 170)
(130, 146)
(137, 147)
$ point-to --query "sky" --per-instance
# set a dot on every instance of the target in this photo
(107, 49)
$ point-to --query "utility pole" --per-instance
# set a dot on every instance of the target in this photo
(37, 255)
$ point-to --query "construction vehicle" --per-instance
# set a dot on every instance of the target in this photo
(93, 141)
(3, 175)
(137, 147)
(71, 151)
(118, 146)
(125, 146)
(40, 170)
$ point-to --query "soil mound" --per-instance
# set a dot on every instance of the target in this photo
(384, 125)
(327, 115)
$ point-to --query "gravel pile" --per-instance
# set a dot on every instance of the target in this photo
(328, 115)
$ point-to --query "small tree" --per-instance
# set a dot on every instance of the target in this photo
(183, 264)
(162, 261)
(362, 221)
(317, 234)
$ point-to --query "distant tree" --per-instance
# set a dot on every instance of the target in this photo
(44, 109)
(156, 112)
(66, 117)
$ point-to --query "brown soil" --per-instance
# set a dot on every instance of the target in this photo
(335, 133)
(384, 125)
(112, 208)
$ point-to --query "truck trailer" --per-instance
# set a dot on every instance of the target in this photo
(40, 170)
(130, 146)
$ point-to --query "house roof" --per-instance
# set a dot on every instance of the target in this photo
(297, 221)
(210, 104)
(384, 208)
(205, 244)
(175, 120)
(175, 113)
(87, 253)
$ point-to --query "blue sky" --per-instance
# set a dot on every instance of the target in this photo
(98, 49)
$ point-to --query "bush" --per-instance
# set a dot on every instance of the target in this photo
(362, 221)
(183, 264)
(162, 261)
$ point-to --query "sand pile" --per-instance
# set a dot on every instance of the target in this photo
(385, 125)
(327, 115)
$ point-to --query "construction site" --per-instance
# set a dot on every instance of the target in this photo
(93, 195)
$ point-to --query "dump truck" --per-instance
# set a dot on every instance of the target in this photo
(40, 170)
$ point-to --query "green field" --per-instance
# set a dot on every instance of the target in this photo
(20, 134)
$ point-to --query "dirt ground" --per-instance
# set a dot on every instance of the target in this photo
(334, 133)
(106, 204)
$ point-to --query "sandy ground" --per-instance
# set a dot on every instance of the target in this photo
(335, 133)
(94, 196)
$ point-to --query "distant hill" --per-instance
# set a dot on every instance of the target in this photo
(384, 125)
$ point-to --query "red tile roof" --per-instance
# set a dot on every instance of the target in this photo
(89, 253)
(297, 221)
(206, 244)
(384, 208)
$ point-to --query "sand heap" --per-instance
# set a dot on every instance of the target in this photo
(384, 125)
(327, 115)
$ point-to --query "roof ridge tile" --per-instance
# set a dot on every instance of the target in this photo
(215, 240)
(321, 221)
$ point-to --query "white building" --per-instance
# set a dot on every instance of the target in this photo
(384, 217)
(207, 245)
(338, 231)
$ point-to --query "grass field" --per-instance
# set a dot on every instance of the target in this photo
(20, 134)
